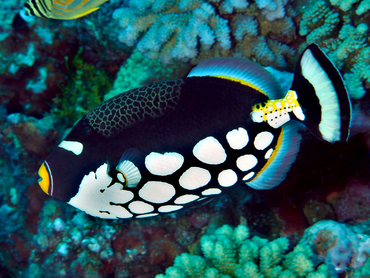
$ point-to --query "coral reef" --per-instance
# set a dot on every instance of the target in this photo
(138, 71)
(337, 245)
(349, 49)
(84, 90)
(347, 5)
(352, 204)
(158, 30)
(52, 72)
(231, 253)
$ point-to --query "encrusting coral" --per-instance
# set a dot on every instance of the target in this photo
(338, 245)
(231, 253)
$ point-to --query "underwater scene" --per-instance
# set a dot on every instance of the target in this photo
(185, 138)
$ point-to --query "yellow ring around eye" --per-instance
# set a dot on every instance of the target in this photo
(44, 180)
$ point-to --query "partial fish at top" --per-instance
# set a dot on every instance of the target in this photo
(177, 144)
(56, 9)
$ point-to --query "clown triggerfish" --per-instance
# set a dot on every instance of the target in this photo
(171, 145)
(56, 9)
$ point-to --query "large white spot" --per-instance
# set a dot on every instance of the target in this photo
(248, 176)
(227, 178)
(211, 191)
(72, 146)
(209, 151)
(157, 192)
(140, 207)
(147, 215)
(194, 178)
(169, 208)
(246, 162)
(237, 138)
(184, 199)
(263, 140)
(97, 199)
(163, 164)
(269, 153)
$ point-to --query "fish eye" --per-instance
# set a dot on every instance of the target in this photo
(85, 132)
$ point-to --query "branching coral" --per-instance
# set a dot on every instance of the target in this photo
(172, 31)
(198, 29)
(349, 50)
(231, 253)
(272, 9)
(346, 5)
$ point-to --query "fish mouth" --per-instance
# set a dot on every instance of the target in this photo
(45, 178)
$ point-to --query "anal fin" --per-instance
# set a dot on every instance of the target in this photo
(279, 163)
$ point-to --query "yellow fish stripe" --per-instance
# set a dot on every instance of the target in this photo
(242, 82)
(62, 9)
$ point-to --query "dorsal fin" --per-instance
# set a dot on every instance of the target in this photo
(240, 70)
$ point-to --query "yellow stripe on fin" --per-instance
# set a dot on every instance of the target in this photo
(242, 82)
(240, 70)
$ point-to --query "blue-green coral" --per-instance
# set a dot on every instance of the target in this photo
(231, 253)
(346, 5)
(349, 49)
(193, 30)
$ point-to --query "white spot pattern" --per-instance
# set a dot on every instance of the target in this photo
(163, 164)
(169, 208)
(210, 151)
(96, 198)
(185, 199)
(248, 176)
(194, 178)
(246, 162)
(140, 207)
(269, 153)
(227, 178)
(147, 215)
(298, 112)
(211, 191)
(237, 138)
(157, 192)
(72, 146)
(263, 140)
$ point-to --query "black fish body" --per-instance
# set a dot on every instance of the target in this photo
(167, 146)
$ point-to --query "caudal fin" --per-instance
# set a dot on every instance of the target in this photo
(322, 96)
